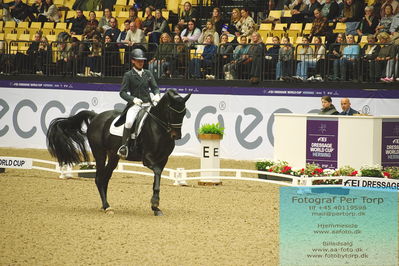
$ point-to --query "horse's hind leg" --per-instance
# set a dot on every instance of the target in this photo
(156, 189)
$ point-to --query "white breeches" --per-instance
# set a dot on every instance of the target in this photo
(131, 115)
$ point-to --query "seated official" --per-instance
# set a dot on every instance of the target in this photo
(346, 107)
(327, 107)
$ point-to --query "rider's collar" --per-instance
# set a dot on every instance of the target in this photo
(140, 72)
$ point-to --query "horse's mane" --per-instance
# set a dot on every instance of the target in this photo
(171, 96)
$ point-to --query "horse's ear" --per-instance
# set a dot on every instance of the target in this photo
(187, 97)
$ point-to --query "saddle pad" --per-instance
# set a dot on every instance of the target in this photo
(118, 131)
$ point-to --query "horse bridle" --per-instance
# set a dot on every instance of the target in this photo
(167, 125)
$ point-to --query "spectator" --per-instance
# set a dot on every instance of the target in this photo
(386, 20)
(320, 24)
(188, 14)
(346, 107)
(318, 59)
(225, 51)
(94, 57)
(191, 34)
(78, 23)
(113, 31)
(148, 22)
(160, 26)
(335, 53)
(104, 20)
(133, 17)
(108, 4)
(369, 22)
(43, 56)
(254, 58)
(327, 107)
(385, 59)
(370, 52)
(304, 55)
(284, 64)
(308, 14)
(217, 20)
(92, 19)
(135, 37)
(352, 12)
(38, 8)
(330, 10)
(25, 63)
(122, 35)
(177, 30)
(395, 24)
(51, 12)
(17, 11)
(111, 58)
(153, 4)
(231, 68)
(246, 24)
(271, 58)
(349, 58)
(160, 65)
(235, 23)
(207, 58)
(393, 3)
(298, 9)
(209, 30)
(179, 57)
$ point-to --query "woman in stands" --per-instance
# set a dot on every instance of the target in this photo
(206, 60)
(350, 59)
(160, 26)
(92, 20)
(133, 17)
(370, 52)
(330, 10)
(51, 12)
(104, 20)
(225, 51)
(94, 57)
(239, 53)
(246, 24)
(318, 59)
(285, 56)
(160, 64)
(180, 55)
(303, 56)
(335, 53)
(191, 34)
(369, 22)
(352, 12)
(38, 8)
(385, 59)
(188, 14)
(234, 25)
(209, 29)
(112, 61)
(217, 20)
(43, 57)
(386, 20)
(271, 58)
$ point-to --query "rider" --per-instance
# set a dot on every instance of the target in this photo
(137, 84)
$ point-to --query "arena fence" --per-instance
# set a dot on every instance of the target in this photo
(180, 175)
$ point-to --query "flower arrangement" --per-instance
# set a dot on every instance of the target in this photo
(314, 170)
(87, 166)
(211, 129)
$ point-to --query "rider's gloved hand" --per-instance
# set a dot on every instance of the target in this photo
(137, 101)
(156, 99)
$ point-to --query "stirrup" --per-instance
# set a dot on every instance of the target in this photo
(123, 151)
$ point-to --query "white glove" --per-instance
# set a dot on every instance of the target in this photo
(137, 101)
(156, 99)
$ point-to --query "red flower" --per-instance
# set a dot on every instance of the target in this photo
(286, 169)
(302, 170)
(354, 173)
(318, 170)
(387, 174)
(270, 170)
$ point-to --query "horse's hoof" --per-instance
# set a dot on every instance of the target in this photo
(109, 211)
(158, 213)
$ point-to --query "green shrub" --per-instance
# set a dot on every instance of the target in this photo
(264, 165)
(211, 129)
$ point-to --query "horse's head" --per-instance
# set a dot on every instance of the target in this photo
(173, 107)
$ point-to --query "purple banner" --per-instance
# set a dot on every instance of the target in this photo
(322, 143)
(390, 144)
(212, 89)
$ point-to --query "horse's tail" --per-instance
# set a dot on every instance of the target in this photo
(66, 139)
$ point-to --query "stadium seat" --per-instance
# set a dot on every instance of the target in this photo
(123, 14)
(51, 38)
(35, 26)
(340, 27)
(59, 3)
(295, 29)
(23, 27)
(2, 37)
(286, 14)
(275, 14)
(279, 29)
(173, 5)
(48, 28)
(10, 25)
(1, 25)
(307, 29)
(265, 30)
(165, 14)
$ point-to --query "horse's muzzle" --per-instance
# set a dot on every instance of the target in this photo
(174, 134)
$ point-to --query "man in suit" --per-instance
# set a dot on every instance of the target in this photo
(137, 84)
(346, 107)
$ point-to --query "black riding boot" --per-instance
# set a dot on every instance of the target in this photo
(123, 151)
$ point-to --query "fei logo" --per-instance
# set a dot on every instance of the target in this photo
(322, 139)
(395, 141)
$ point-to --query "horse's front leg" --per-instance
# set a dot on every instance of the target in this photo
(156, 189)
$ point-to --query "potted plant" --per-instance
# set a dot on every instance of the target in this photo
(371, 171)
(391, 172)
(87, 166)
(211, 131)
(210, 136)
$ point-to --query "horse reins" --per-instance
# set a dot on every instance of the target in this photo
(168, 126)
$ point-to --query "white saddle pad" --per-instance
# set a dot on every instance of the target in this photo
(118, 131)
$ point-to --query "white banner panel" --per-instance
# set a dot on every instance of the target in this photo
(248, 119)
(15, 162)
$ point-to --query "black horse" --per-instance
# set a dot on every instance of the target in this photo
(66, 141)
